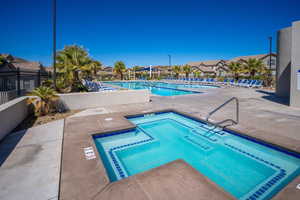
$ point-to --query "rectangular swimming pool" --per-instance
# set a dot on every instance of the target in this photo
(159, 88)
(244, 168)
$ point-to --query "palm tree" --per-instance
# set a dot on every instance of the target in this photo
(187, 70)
(42, 100)
(176, 69)
(197, 73)
(2, 60)
(95, 67)
(70, 62)
(119, 68)
(253, 66)
(236, 69)
(90, 70)
(135, 69)
(65, 74)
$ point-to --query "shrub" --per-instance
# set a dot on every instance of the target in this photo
(43, 99)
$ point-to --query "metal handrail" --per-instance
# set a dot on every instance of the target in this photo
(226, 120)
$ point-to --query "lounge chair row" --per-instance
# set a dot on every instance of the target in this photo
(231, 82)
(248, 83)
(96, 86)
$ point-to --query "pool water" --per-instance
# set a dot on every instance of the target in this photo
(245, 169)
(182, 86)
(160, 88)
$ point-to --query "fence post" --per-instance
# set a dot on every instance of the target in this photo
(18, 82)
(39, 78)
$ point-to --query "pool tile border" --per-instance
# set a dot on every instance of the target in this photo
(259, 192)
(111, 151)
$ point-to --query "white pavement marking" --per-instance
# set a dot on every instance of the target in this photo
(89, 153)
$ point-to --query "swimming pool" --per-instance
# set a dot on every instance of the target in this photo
(160, 88)
(245, 169)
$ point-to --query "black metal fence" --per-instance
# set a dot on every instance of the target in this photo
(19, 82)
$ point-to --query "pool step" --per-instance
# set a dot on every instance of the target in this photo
(200, 143)
(214, 129)
(209, 135)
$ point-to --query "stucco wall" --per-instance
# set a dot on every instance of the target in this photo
(96, 99)
(11, 114)
(295, 93)
(284, 40)
(266, 61)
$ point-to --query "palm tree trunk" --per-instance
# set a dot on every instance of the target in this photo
(95, 73)
(252, 74)
(76, 81)
(236, 77)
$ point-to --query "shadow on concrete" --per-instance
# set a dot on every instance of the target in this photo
(8, 144)
(26, 123)
(271, 96)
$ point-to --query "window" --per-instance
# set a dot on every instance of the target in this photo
(26, 85)
(273, 62)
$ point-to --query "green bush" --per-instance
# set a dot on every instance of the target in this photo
(48, 83)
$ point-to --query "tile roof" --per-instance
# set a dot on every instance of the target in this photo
(215, 62)
(107, 69)
(259, 56)
(205, 62)
(206, 69)
(15, 62)
(27, 65)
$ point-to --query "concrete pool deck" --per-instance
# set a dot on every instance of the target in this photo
(31, 169)
(262, 116)
(87, 179)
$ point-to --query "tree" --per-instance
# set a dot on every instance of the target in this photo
(197, 74)
(176, 69)
(236, 69)
(2, 60)
(65, 74)
(90, 70)
(95, 67)
(42, 100)
(253, 66)
(187, 70)
(119, 68)
(135, 69)
(71, 61)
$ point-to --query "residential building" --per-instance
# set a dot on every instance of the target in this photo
(220, 67)
(265, 58)
(210, 67)
(29, 73)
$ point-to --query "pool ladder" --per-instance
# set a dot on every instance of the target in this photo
(218, 124)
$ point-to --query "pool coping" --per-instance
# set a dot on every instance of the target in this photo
(97, 174)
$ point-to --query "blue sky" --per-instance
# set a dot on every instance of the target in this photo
(145, 32)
